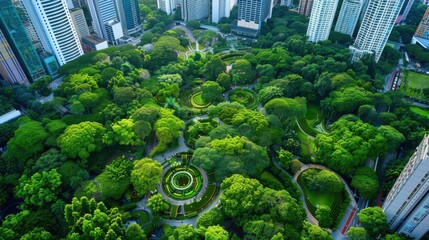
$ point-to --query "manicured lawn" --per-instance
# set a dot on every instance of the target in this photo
(420, 111)
(174, 209)
(198, 99)
(307, 144)
(313, 112)
(417, 80)
(143, 216)
(318, 198)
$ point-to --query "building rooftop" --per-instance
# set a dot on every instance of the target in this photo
(421, 41)
(94, 39)
(9, 116)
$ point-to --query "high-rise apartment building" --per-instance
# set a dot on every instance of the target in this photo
(194, 9)
(348, 17)
(129, 16)
(375, 28)
(287, 3)
(422, 30)
(10, 68)
(103, 12)
(19, 42)
(407, 204)
(251, 14)
(321, 19)
(407, 10)
(305, 7)
(167, 5)
(221, 8)
(54, 26)
(79, 22)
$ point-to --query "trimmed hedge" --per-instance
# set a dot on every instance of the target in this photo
(205, 199)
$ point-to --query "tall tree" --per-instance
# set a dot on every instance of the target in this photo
(373, 220)
(213, 68)
(365, 181)
(145, 175)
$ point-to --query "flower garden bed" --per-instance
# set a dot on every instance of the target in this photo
(182, 182)
(246, 97)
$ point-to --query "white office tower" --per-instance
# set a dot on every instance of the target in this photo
(407, 204)
(348, 17)
(251, 14)
(54, 26)
(167, 5)
(194, 9)
(377, 23)
(103, 12)
(221, 8)
(322, 16)
(79, 22)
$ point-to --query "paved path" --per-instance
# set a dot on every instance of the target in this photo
(167, 155)
(350, 212)
(310, 217)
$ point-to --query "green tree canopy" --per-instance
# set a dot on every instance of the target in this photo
(145, 175)
(357, 233)
(373, 220)
(79, 140)
(323, 215)
(213, 68)
(39, 189)
(365, 181)
(242, 72)
(157, 204)
(231, 155)
(211, 92)
(88, 219)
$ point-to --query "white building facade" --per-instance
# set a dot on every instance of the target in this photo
(348, 17)
(322, 16)
(377, 23)
(167, 5)
(221, 8)
(79, 22)
(251, 14)
(194, 9)
(102, 12)
(54, 26)
(407, 204)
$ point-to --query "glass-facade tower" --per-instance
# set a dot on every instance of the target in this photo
(15, 34)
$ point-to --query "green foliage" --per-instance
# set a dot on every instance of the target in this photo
(311, 232)
(322, 181)
(373, 220)
(323, 215)
(72, 174)
(88, 219)
(123, 133)
(49, 160)
(28, 134)
(157, 204)
(213, 68)
(357, 233)
(285, 158)
(25, 224)
(349, 145)
(347, 100)
(79, 140)
(145, 175)
(134, 232)
(242, 72)
(365, 181)
(216, 233)
(37, 233)
(115, 179)
(193, 24)
(167, 130)
(39, 189)
(231, 155)
(211, 92)
(210, 218)
(287, 109)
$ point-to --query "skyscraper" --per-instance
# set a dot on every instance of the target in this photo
(103, 12)
(422, 30)
(194, 9)
(79, 22)
(54, 26)
(10, 69)
(348, 17)
(251, 14)
(129, 16)
(321, 19)
(221, 8)
(19, 42)
(305, 7)
(407, 204)
(167, 5)
(375, 29)
(407, 10)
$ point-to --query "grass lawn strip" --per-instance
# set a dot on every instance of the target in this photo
(417, 80)
(420, 111)
(205, 199)
(143, 216)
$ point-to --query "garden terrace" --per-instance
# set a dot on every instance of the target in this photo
(245, 97)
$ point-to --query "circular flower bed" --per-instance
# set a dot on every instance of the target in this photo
(182, 182)
(246, 97)
(197, 101)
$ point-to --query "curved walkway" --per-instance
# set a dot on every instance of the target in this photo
(186, 201)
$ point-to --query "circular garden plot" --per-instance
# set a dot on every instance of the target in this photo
(197, 101)
(245, 97)
(182, 182)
